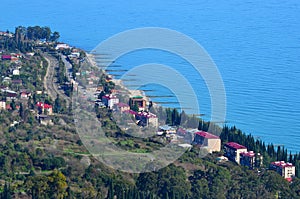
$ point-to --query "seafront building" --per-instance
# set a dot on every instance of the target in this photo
(207, 140)
(110, 100)
(147, 119)
(233, 151)
(139, 100)
(286, 170)
(247, 159)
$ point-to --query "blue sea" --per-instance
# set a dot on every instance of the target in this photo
(255, 45)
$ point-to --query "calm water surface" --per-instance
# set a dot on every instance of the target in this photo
(255, 44)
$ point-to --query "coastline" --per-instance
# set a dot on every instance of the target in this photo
(119, 83)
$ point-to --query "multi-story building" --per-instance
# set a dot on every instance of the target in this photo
(190, 134)
(286, 170)
(233, 150)
(207, 140)
(147, 119)
(247, 159)
(110, 100)
(140, 101)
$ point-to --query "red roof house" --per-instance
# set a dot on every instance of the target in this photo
(235, 145)
(207, 140)
(233, 151)
(42, 107)
(6, 57)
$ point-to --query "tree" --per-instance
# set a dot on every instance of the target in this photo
(38, 185)
(13, 105)
(6, 194)
(29, 103)
(110, 194)
(57, 105)
(135, 107)
(55, 36)
(21, 111)
(58, 184)
(46, 33)
(200, 188)
(147, 182)
(175, 117)
(101, 95)
(183, 118)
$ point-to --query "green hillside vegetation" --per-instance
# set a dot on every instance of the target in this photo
(50, 161)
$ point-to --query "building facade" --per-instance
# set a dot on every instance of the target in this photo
(247, 159)
(166, 129)
(140, 101)
(110, 100)
(147, 119)
(286, 170)
(44, 108)
(2, 105)
(233, 151)
(211, 142)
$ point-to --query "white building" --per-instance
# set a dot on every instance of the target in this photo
(2, 105)
(286, 170)
(233, 151)
(147, 119)
(166, 129)
(110, 100)
(62, 46)
(16, 72)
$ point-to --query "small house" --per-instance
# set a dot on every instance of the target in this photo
(11, 96)
(147, 119)
(16, 72)
(25, 94)
(166, 129)
(44, 120)
(44, 108)
(17, 81)
(6, 57)
(62, 46)
(6, 80)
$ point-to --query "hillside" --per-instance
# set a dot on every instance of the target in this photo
(42, 156)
